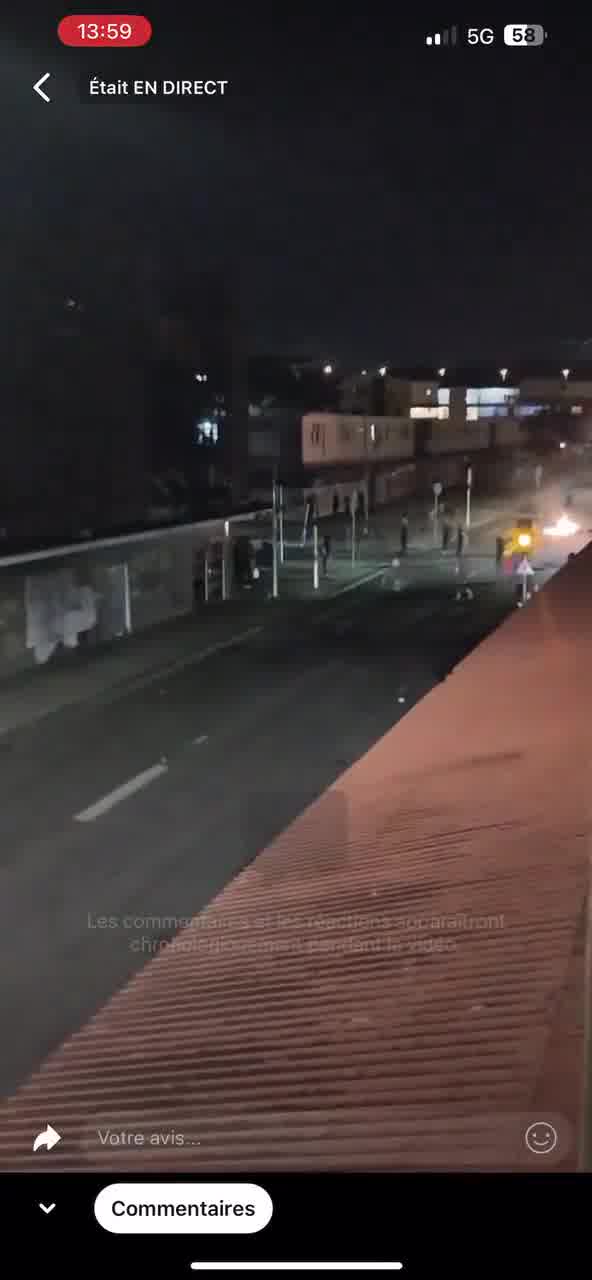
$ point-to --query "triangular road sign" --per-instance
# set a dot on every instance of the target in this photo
(524, 568)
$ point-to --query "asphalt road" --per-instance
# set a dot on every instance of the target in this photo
(121, 819)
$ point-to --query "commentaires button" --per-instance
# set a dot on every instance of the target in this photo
(183, 1208)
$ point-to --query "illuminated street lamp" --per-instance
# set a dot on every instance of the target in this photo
(565, 374)
(364, 372)
(503, 374)
(382, 371)
(442, 373)
(328, 368)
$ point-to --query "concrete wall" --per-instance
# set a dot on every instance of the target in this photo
(450, 471)
(449, 439)
(348, 438)
(398, 483)
(458, 404)
(545, 389)
(13, 655)
(330, 439)
(507, 431)
(323, 494)
(161, 582)
(160, 573)
(401, 393)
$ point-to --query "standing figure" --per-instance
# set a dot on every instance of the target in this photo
(324, 553)
(404, 532)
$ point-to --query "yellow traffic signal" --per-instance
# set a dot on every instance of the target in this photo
(523, 538)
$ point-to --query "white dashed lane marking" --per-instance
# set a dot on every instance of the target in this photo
(129, 788)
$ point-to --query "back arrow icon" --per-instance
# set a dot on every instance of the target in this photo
(37, 87)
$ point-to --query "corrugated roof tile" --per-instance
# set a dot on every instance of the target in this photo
(387, 1001)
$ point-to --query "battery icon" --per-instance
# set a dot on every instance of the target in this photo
(524, 35)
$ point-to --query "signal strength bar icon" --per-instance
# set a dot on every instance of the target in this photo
(447, 37)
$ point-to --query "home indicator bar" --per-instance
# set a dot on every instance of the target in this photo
(296, 1266)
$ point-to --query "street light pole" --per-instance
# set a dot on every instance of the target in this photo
(225, 564)
(282, 549)
(353, 530)
(315, 555)
(469, 484)
(274, 544)
(306, 518)
(437, 490)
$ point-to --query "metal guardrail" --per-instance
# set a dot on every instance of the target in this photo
(126, 539)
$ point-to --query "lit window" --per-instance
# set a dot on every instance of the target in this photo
(526, 410)
(206, 431)
(428, 391)
(421, 411)
(490, 395)
(577, 408)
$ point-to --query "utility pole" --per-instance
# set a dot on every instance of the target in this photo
(282, 546)
(315, 555)
(225, 564)
(307, 502)
(353, 530)
(207, 572)
(274, 543)
(437, 490)
(469, 484)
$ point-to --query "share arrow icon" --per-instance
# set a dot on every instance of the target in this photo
(48, 1139)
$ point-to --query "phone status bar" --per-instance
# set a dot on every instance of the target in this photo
(516, 35)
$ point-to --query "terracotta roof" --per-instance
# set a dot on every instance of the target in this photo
(383, 986)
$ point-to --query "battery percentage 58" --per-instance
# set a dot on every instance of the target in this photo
(521, 35)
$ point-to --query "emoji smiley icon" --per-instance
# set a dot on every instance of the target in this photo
(541, 1138)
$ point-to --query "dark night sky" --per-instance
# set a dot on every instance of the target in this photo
(386, 201)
